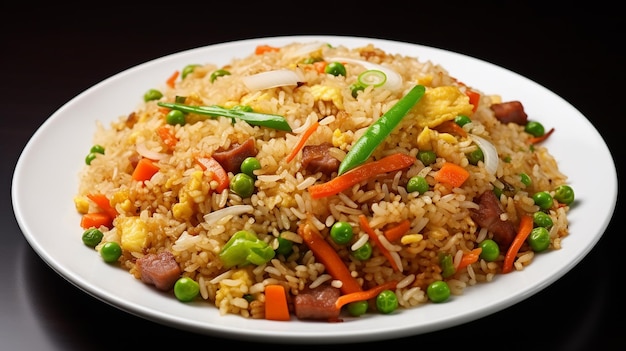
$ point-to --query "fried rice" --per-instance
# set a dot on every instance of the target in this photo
(185, 209)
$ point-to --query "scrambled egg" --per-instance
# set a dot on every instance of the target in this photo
(133, 233)
(441, 104)
(327, 93)
(184, 209)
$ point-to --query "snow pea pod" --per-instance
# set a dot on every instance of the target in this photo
(380, 129)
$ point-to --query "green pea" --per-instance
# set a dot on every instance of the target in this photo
(462, 120)
(336, 69)
(187, 70)
(152, 94)
(364, 252)
(242, 185)
(249, 165)
(357, 308)
(417, 183)
(285, 246)
(92, 237)
(438, 291)
(387, 301)
(535, 129)
(111, 251)
(427, 157)
(355, 89)
(97, 149)
(341, 233)
(539, 239)
(186, 289)
(490, 250)
(564, 194)
(90, 157)
(175, 117)
(218, 73)
(476, 156)
(542, 219)
(543, 199)
(525, 179)
(447, 265)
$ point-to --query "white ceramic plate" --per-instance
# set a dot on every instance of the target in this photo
(45, 181)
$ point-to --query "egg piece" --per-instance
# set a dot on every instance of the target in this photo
(441, 104)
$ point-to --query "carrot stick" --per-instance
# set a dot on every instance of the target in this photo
(452, 174)
(525, 227)
(276, 303)
(167, 136)
(365, 171)
(171, 81)
(219, 173)
(305, 136)
(145, 169)
(320, 66)
(95, 220)
(474, 98)
(469, 258)
(539, 139)
(396, 232)
(364, 295)
(103, 202)
(327, 255)
(372, 234)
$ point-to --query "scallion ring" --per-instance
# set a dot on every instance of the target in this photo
(372, 77)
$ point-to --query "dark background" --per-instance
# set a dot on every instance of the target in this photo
(51, 53)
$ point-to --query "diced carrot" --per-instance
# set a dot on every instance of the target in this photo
(474, 98)
(452, 174)
(276, 307)
(167, 136)
(396, 232)
(103, 202)
(327, 255)
(305, 136)
(365, 171)
(171, 81)
(469, 258)
(372, 234)
(218, 172)
(525, 227)
(320, 66)
(95, 220)
(364, 295)
(262, 49)
(145, 169)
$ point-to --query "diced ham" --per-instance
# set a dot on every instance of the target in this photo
(232, 158)
(512, 111)
(317, 303)
(488, 216)
(160, 270)
(315, 158)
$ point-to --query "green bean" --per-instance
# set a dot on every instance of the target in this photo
(380, 129)
(252, 118)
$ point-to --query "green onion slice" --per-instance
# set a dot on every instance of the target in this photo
(372, 77)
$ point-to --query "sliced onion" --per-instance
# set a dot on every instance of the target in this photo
(394, 79)
(272, 79)
(236, 210)
(145, 152)
(306, 49)
(489, 151)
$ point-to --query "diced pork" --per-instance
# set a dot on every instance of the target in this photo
(510, 112)
(488, 216)
(316, 158)
(160, 270)
(232, 158)
(318, 303)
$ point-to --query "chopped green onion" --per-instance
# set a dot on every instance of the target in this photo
(372, 77)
